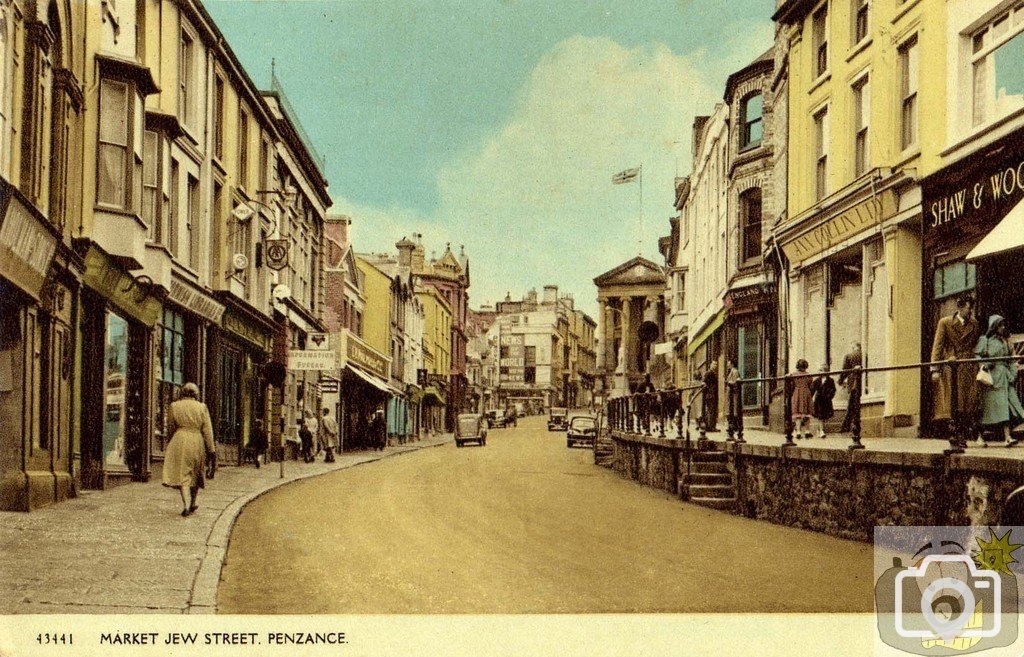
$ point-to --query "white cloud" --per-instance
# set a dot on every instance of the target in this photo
(534, 203)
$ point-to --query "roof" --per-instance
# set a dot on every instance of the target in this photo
(637, 270)
(763, 65)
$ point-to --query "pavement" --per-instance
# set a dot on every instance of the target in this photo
(523, 525)
(760, 435)
(127, 550)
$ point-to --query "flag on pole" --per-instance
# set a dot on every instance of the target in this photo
(627, 176)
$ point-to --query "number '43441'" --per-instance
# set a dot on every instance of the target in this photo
(54, 639)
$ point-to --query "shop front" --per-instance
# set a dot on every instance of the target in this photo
(972, 235)
(363, 392)
(750, 335)
(39, 284)
(852, 283)
(182, 350)
(240, 346)
(119, 313)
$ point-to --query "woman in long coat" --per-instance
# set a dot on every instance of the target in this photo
(1000, 406)
(188, 423)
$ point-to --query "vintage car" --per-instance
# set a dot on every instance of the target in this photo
(470, 428)
(558, 420)
(499, 418)
(582, 431)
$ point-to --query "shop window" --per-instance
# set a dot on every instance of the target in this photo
(115, 391)
(749, 362)
(751, 121)
(819, 33)
(954, 278)
(171, 354)
(861, 120)
(750, 225)
(997, 51)
(908, 93)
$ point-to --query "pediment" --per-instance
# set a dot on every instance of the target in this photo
(637, 271)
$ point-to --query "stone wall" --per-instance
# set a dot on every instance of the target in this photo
(836, 491)
(650, 461)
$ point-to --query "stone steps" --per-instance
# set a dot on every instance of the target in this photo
(709, 483)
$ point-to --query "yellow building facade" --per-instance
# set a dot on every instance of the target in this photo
(377, 311)
(437, 354)
(866, 116)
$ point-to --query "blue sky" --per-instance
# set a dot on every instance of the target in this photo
(498, 123)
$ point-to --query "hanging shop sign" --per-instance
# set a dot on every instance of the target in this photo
(276, 252)
(836, 230)
(307, 360)
(26, 245)
(192, 299)
(130, 294)
(318, 341)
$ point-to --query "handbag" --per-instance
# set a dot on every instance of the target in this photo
(985, 378)
(211, 465)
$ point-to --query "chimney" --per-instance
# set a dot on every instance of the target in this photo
(550, 294)
(405, 250)
(417, 252)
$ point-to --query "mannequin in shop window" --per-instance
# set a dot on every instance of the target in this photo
(191, 445)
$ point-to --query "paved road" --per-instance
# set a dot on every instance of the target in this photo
(522, 525)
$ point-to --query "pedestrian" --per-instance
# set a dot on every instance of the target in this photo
(801, 401)
(732, 395)
(851, 381)
(1000, 407)
(823, 388)
(710, 380)
(329, 431)
(955, 338)
(191, 431)
(257, 442)
(306, 440)
(314, 430)
(378, 430)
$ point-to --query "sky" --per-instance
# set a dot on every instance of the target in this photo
(498, 124)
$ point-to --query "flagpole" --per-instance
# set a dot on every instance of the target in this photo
(640, 239)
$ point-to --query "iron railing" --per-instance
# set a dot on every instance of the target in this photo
(648, 413)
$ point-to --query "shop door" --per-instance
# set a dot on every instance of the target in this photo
(228, 430)
(749, 365)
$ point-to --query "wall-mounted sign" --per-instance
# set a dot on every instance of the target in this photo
(276, 252)
(248, 331)
(194, 300)
(306, 360)
(842, 226)
(131, 295)
(26, 247)
(366, 357)
(318, 341)
(329, 386)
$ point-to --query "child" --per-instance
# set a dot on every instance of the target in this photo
(824, 389)
(801, 402)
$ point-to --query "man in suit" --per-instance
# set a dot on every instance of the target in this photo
(955, 337)
(852, 382)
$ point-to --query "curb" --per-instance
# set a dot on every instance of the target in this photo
(203, 598)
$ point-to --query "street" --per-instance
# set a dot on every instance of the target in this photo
(522, 525)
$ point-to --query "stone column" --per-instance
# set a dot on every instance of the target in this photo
(630, 347)
(603, 319)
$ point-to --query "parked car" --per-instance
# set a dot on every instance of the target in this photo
(582, 430)
(498, 418)
(470, 428)
(558, 419)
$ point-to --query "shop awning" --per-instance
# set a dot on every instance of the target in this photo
(432, 397)
(1008, 235)
(706, 332)
(369, 378)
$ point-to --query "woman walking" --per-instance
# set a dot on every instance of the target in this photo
(801, 402)
(823, 388)
(1000, 406)
(188, 423)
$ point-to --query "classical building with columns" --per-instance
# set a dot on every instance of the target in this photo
(632, 318)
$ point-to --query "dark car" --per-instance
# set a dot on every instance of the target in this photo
(582, 431)
(470, 428)
(558, 420)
